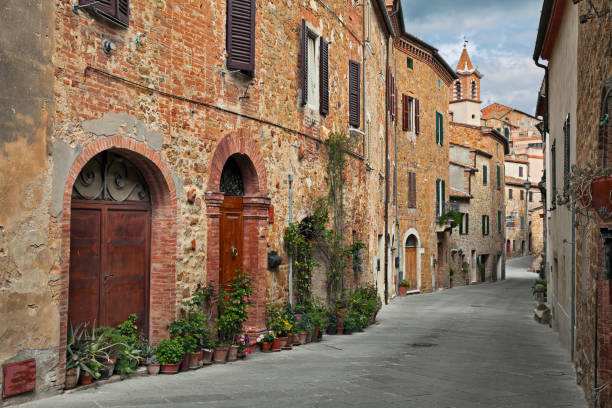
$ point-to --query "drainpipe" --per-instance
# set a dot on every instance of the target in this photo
(290, 257)
(573, 298)
(396, 187)
(363, 67)
(386, 251)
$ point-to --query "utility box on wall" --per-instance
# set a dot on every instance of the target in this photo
(18, 378)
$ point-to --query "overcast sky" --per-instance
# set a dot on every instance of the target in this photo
(501, 36)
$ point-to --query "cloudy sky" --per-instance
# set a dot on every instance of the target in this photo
(501, 36)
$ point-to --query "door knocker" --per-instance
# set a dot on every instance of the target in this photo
(234, 251)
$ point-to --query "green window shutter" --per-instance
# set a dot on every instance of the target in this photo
(553, 154)
(461, 224)
(484, 175)
(443, 196)
(522, 222)
(499, 220)
(566, 151)
(484, 225)
(437, 198)
(441, 129)
(498, 176)
(467, 223)
(437, 129)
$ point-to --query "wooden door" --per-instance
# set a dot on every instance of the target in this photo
(440, 263)
(85, 269)
(109, 263)
(126, 265)
(231, 235)
(411, 267)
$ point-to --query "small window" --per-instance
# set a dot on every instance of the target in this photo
(439, 128)
(520, 171)
(464, 226)
(411, 189)
(507, 133)
(509, 194)
(458, 90)
(531, 196)
(485, 225)
(484, 175)
(522, 195)
(498, 177)
(474, 91)
(439, 83)
(409, 62)
(408, 113)
(499, 221)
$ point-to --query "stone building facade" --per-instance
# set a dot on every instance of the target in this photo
(133, 130)
(579, 72)
(420, 128)
(477, 177)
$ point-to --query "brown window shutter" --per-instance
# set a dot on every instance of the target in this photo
(240, 35)
(304, 63)
(417, 117)
(394, 98)
(405, 113)
(117, 11)
(605, 127)
(411, 189)
(123, 12)
(324, 77)
(354, 88)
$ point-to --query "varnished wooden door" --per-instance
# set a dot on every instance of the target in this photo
(411, 267)
(109, 263)
(231, 239)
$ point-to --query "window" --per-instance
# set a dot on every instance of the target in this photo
(411, 189)
(458, 90)
(440, 197)
(409, 62)
(354, 93)
(474, 91)
(522, 195)
(509, 194)
(392, 95)
(531, 196)
(498, 177)
(507, 132)
(566, 151)
(464, 225)
(484, 175)
(439, 128)
(439, 83)
(520, 171)
(485, 225)
(315, 77)
(241, 35)
(407, 113)
(499, 221)
(522, 222)
(116, 11)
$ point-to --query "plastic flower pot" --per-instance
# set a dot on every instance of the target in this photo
(220, 355)
(153, 369)
(170, 368)
(207, 356)
(72, 378)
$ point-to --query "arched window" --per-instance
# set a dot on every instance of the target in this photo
(231, 179)
(411, 241)
(458, 90)
(474, 91)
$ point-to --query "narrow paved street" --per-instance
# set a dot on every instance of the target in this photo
(479, 347)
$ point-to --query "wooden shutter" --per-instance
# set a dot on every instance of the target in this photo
(123, 12)
(553, 165)
(467, 223)
(417, 117)
(605, 126)
(488, 226)
(567, 141)
(404, 112)
(354, 89)
(441, 129)
(394, 99)
(510, 194)
(461, 224)
(411, 189)
(117, 11)
(304, 63)
(484, 175)
(498, 177)
(240, 35)
(324, 77)
(484, 225)
(499, 221)
(438, 198)
(443, 196)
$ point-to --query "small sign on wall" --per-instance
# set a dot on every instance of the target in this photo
(18, 378)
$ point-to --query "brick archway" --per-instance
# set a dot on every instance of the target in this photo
(255, 212)
(162, 300)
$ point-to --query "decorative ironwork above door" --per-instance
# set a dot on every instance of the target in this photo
(231, 179)
(111, 177)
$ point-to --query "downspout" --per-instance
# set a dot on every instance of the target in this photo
(396, 188)
(386, 212)
(363, 65)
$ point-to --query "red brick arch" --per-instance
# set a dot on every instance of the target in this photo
(163, 287)
(255, 212)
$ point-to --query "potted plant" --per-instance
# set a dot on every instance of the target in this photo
(332, 326)
(349, 324)
(188, 330)
(451, 272)
(74, 350)
(153, 365)
(465, 269)
(267, 341)
(169, 353)
(244, 346)
(403, 287)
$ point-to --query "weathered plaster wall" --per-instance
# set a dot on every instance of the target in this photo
(28, 307)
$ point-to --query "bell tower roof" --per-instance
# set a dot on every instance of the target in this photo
(464, 64)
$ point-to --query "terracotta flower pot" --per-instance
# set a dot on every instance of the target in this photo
(193, 360)
(207, 356)
(85, 379)
(72, 378)
(339, 330)
(107, 370)
(282, 341)
(276, 344)
(185, 363)
(403, 290)
(309, 337)
(302, 337)
(601, 191)
(220, 355)
(315, 334)
(170, 368)
(266, 346)
(153, 369)
(232, 355)
(331, 329)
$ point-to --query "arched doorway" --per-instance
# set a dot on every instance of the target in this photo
(237, 219)
(110, 241)
(410, 252)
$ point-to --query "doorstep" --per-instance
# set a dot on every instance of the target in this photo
(140, 372)
(413, 292)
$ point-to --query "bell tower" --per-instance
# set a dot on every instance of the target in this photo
(465, 91)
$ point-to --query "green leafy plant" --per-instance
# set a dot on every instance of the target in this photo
(269, 336)
(349, 322)
(128, 329)
(454, 218)
(405, 283)
(203, 299)
(233, 304)
(542, 282)
(169, 351)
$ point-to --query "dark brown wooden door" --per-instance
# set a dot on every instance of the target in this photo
(109, 263)
(231, 236)
(411, 267)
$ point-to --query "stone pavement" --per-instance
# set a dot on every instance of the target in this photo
(475, 346)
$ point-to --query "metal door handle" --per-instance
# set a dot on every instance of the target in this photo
(234, 251)
(108, 276)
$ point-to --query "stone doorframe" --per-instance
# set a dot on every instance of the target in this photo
(409, 232)
(255, 215)
(163, 301)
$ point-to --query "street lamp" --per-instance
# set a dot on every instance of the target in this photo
(526, 225)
